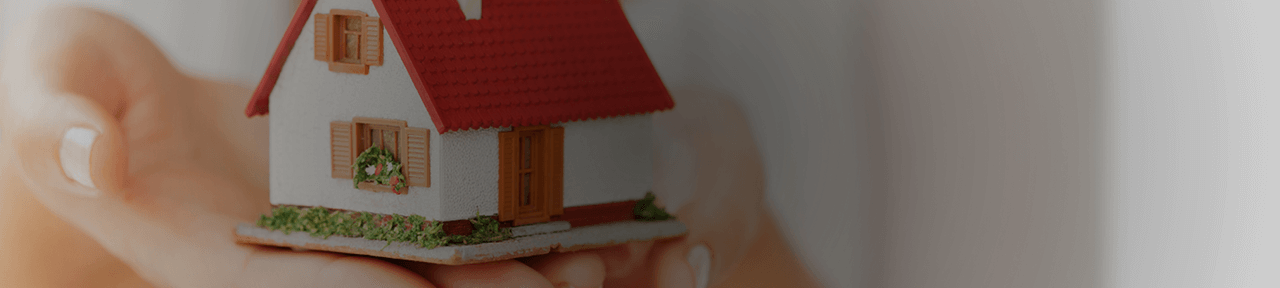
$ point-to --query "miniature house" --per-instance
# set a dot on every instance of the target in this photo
(531, 110)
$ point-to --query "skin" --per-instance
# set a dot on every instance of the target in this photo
(175, 156)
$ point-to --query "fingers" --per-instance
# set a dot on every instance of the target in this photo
(675, 263)
(270, 267)
(665, 264)
(623, 261)
(678, 264)
(509, 273)
(711, 175)
(681, 263)
(577, 270)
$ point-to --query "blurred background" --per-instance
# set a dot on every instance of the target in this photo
(980, 143)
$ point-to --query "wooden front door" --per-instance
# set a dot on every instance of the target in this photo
(531, 180)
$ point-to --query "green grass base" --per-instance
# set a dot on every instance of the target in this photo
(645, 210)
(322, 222)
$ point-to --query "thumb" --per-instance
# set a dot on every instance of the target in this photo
(69, 149)
(71, 156)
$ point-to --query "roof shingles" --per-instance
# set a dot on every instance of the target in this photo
(525, 62)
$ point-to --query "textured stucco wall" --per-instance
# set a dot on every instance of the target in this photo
(605, 160)
(308, 96)
(469, 173)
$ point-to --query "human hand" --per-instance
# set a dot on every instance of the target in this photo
(709, 172)
(157, 167)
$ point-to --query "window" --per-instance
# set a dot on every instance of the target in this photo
(380, 135)
(530, 141)
(349, 40)
(409, 145)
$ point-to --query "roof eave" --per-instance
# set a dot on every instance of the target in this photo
(259, 104)
(409, 66)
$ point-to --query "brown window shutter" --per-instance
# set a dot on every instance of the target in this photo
(417, 156)
(371, 45)
(324, 35)
(341, 148)
(508, 144)
(555, 169)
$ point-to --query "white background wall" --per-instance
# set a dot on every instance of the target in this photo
(991, 119)
(1104, 143)
(1192, 143)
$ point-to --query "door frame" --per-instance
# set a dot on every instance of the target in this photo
(544, 167)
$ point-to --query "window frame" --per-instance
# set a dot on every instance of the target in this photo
(361, 127)
(337, 42)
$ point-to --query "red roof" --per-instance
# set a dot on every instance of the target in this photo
(525, 62)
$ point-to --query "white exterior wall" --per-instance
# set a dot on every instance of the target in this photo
(605, 160)
(308, 96)
(469, 173)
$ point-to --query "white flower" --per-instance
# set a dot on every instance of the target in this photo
(369, 170)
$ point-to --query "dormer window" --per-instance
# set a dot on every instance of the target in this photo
(349, 40)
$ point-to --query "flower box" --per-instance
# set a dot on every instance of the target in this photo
(375, 187)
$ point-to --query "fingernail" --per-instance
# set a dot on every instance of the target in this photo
(74, 155)
(699, 259)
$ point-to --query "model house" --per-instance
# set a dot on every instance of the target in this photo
(530, 110)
